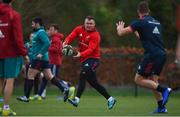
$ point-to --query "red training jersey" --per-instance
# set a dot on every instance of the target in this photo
(89, 42)
(11, 38)
(55, 49)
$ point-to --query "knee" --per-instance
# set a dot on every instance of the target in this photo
(138, 79)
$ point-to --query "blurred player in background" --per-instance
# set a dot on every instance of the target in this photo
(149, 30)
(39, 75)
(55, 60)
(40, 60)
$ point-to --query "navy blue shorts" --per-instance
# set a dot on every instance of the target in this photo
(92, 63)
(151, 65)
(40, 65)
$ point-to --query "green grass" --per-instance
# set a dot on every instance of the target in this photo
(92, 104)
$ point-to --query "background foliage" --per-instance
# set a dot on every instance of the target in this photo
(70, 13)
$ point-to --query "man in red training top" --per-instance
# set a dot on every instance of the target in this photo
(89, 54)
(12, 51)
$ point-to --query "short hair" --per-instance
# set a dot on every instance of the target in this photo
(56, 26)
(143, 7)
(7, 1)
(89, 17)
(38, 20)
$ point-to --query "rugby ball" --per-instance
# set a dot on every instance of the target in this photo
(68, 50)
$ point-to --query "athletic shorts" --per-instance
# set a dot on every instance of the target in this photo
(91, 63)
(40, 65)
(151, 65)
(11, 67)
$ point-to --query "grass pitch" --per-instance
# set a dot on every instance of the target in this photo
(92, 104)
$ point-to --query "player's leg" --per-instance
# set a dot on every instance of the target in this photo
(54, 80)
(140, 80)
(32, 72)
(1, 89)
(1, 79)
(56, 71)
(26, 77)
(144, 69)
(158, 95)
(161, 108)
(92, 80)
(163, 97)
(80, 90)
(36, 83)
(42, 86)
(68, 86)
(158, 63)
(8, 89)
(10, 73)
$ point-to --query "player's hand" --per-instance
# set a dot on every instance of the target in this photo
(39, 56)
(77, 55)
(64, 44)
(26, 59)
(120, 25)
(137, 35)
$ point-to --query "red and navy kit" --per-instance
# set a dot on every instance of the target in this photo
(154, 59)
(89, 42)
(11, 38)
(55, 49)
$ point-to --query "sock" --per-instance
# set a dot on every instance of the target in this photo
(30, 84)
(64, 84)
(160, 89)
(42, 86)
(160, 104)
(6, 107)
(36, 84)
(43, 95)
(25, 85)
(55, 81)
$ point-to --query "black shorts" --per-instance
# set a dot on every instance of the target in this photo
(40, 65)
(151, 65)
(91, 63)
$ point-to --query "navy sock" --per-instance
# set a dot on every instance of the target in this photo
(42, 86)
(25, 85)
(160, 89)
(36, 84)
(55, 81)
(29, 86)
(160, 104)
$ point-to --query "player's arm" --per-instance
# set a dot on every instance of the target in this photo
(18, 37)
(71, 37)
(121, 30)
(17, 33)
